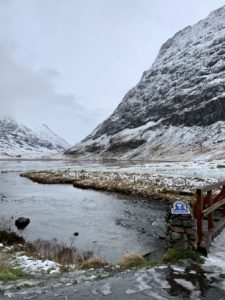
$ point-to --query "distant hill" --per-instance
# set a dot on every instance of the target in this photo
(16, 139)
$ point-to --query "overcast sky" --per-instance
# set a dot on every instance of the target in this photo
(68, 63)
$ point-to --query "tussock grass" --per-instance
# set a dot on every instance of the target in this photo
(4, 263)
(93, 262)
(144, 186)
(130, 260)
(58, 252)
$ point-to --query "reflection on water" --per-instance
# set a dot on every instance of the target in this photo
(109, 224)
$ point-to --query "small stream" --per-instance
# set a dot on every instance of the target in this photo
(108, 224)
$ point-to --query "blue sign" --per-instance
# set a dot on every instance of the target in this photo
(180, 208)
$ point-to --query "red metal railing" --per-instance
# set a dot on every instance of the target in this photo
(208, 199)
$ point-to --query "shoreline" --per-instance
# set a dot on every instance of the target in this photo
(65, 158)
(152, 187)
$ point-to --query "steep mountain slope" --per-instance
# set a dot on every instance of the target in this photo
(177, 110)
(17, 139)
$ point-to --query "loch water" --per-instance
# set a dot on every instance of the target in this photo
(108, 224)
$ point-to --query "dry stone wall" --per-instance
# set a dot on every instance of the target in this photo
(181, 229)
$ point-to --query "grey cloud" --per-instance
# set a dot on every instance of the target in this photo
(29, 95)
(81, 57)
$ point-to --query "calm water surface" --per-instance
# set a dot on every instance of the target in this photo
(109, 224)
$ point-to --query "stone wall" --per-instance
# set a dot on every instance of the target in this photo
(181, 230)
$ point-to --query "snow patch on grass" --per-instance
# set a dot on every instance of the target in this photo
(36, 266)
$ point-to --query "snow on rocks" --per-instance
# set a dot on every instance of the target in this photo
(106, 289)
(150, 281)
(195, 294)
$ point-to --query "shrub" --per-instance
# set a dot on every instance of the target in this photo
(11, 274)
(93, 262)
(6, 270)
(131, 260)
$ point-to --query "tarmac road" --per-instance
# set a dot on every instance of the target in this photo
(158, 283)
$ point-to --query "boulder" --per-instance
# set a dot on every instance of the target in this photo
(10, 238)
(22, 222)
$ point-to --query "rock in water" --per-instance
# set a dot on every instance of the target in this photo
(22, 222)
(177, 110)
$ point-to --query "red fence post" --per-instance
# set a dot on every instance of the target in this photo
(198, 213)
(210, 216)
(223, 196)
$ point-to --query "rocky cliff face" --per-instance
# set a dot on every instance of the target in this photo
(177, 109)
(17, 139)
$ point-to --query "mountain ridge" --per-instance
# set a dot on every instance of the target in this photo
(19, 140)
(184, 89)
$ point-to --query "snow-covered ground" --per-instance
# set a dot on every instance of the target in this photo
(179, 176)
(215, 262)
(36, 266)
(163, 143)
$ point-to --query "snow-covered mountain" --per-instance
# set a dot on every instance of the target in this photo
(177, 110)
(16, 139)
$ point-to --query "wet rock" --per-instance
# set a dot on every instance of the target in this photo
(191, 231)
(76, 233)
(177, 229)
(180, 245)
(22, 222)
(188, 223)
(176, 236)
(161, 237)
(143, 230)
(10, 238)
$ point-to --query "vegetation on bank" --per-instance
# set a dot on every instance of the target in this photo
(9, 274)
(148, 186)
(131, 260)
(93, 262)
(172, 255)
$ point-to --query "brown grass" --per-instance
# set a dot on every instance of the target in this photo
(131, 260)
(111, 182)
(93, 262)
(4, 262)
(49, 179)
(59, 252)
